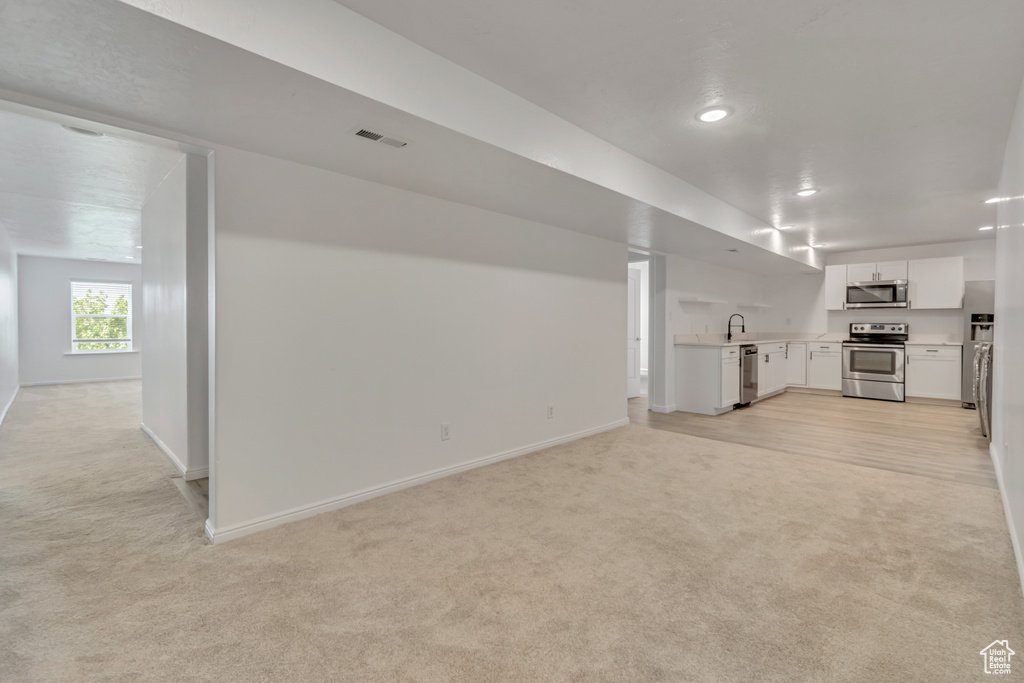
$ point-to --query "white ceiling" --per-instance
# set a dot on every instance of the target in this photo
(898, 111)
(164, 78)
(68, 195)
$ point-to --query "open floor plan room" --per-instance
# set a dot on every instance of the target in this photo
(630, 555)
(313, 316)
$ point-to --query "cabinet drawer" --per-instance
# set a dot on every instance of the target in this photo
(730, 352)
(933, 351)
(824, 346)
(771, 348)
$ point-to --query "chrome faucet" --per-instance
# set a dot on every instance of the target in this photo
(743, 325)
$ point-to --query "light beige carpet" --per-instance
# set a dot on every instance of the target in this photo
(635, 555)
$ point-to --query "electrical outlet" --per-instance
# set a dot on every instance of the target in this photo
(446, 431)
(551, 411)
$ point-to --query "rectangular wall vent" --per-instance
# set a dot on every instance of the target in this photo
(389, 140)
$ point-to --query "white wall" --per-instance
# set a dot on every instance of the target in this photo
(354, 318)
(645, 313)
(797, 304)
(8, 323)
(44, 327)
(173, 397)
(687, 277)
(1008, 390)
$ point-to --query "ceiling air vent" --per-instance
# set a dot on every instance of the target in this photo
(382, 138)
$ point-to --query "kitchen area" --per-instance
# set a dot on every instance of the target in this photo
(893, 331)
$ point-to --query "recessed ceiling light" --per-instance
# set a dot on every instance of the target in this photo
(987, 227)
(713, 114)
(129, 257)
(139, 247)
(818, 246)
(82, 131)
(806, 192)
(735, 251)
(993, 200)
(785, 227)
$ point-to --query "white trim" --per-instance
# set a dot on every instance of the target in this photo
(186, 473)
(80, 381)
(927, 400)
(10, 403)
(993, 452)
(663, 409)
(100, 353)
(813, 390)
(234, 531)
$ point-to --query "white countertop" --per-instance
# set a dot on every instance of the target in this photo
(744, 342)
(828, 337)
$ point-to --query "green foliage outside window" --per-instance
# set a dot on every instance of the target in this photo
(100, 328)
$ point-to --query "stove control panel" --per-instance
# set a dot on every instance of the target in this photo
(878, 328)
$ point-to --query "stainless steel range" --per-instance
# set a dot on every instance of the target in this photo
(874, 360)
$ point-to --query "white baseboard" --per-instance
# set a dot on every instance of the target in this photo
(663, 409)
(10, 403)
(233, 531)
(813, 390)
(1018, 555)
(186, 473)
(934, 401)
(78, 381)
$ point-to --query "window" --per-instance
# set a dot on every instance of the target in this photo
(101, 317)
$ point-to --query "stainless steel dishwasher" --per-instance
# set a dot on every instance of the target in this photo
(748, 374)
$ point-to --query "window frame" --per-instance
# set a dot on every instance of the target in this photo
(129, 324)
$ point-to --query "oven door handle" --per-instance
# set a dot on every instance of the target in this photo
(869, 347)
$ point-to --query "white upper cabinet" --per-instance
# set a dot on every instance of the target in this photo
(936, 282)
(884, 270)
(891, 270)
(835, 288)
(860, 272)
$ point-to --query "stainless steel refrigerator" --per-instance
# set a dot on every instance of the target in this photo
(979, 321)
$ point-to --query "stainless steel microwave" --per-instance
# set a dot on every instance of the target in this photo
(877, 294)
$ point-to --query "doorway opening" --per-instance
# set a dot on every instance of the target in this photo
(638, 325)
(104, 238)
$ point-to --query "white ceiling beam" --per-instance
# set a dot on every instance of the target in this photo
(333, 43)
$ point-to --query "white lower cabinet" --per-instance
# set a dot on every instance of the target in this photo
(933, 371)
(707, 378)
(825, 366)
(730, 394)
(771, 368)
(796, 364)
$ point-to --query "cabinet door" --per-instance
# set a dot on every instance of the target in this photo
(835, 288)
(764, 378)
(796, 365)
(936, 282)
(860, 272)
(891, 270)
(930, 375)
(730, 382)
(778, 362)
(825, 370)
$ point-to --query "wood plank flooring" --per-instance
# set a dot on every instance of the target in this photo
(930, 441)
